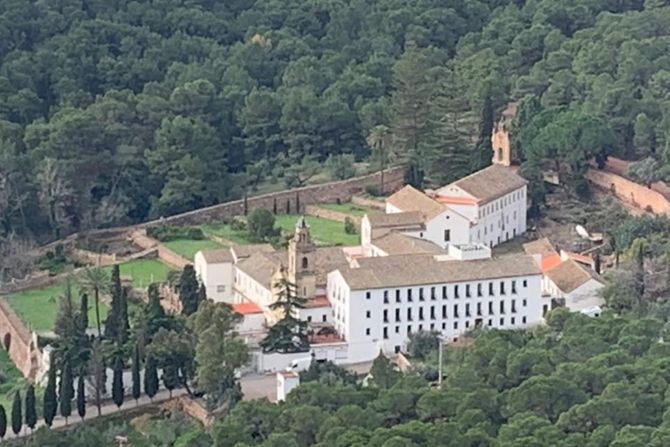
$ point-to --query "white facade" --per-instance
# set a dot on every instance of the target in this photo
(247, 288)
(449, 227)
(584, 297)
(217, 278)
(370, 320)
(321, 314)
(500, 220)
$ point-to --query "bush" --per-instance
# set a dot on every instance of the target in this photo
(238, 225)
(167, 233)
(371, 190)
(350, 226)
(261, 225)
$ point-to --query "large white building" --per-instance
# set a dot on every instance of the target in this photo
(487, 207)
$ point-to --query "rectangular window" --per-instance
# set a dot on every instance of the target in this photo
(397, 315)
(432, 312)
(467, 290)
(444, 311)
(386, 333)
(421, 327)
(386, 296)
(513, 306)
(491, 289)
(456, 291)
(524, 302)
(523, 320)
(324, 318)
(525, 283)
(444, 292)
(490, 307)
(409, 314)
(420, 313)
(397, 329)
(502, 307)
(386, 316)
(367, 331)
(502, 287)
(479, 309)
(447, 235)
(479, 289)
(490, 322)
(409, 329)
(467, 309)
(432, 326)
(513, 321)
(455, 310)
(432, 293)
(309, 319)
(444, 326)
(545, 309)
(467, 324)
(513, 287)
(502, 322)
(368, 314)
(420, 293)
(367, 295)
(455, 324)
(220, 289)
(409, 295)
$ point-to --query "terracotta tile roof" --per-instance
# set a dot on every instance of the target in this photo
(539, 247)
(550, 261)
(491, 183)
(262, 266)
(404, 219)
(409, 270)
(247, 308)
(218, 256)
(411, 199)
(400, 244)
(584, 259)
(569, 275)
(317, 301)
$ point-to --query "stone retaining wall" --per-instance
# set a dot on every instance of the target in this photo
(370, 203)
(91, 257)
(630, 192)
(18, 341)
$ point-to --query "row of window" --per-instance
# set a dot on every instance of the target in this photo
(433, 326)
(468, 291)
(432, 311)
(500, 203)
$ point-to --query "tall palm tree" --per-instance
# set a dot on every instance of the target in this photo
(379, 141)
(96, 280)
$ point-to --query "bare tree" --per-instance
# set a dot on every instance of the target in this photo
(54, 194)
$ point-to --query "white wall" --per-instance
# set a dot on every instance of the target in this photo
(501, 219)
(335, 352)
(316, 314)
(458, 226)
(585, 296)
(217, 278)
(247, 288)
(251, 323)
(360, 313)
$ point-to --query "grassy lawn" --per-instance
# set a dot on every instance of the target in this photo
(350, 208)
(225, 231)
(38, 307)
(11, 377)
(145, 271)
(324, 231)
(189, 247)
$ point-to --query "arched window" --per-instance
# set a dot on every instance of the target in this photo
(304, 263)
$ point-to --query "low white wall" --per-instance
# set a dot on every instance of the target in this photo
(269, 363)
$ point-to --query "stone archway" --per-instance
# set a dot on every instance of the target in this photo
(7, 341)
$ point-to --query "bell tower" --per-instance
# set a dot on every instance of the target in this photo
(500, 139)
(301, 255)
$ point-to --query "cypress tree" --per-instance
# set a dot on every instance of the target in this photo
(136, 374)
(50, 400)
(83, 312)
(189, 290)
(3, 422)
(150, 378)
(97, 370)
(81, 396)
(111, 323)
(66, 391)
(31, 410)
(170, 377)
(17, 418)
(117, 382)
(274, 205)
(288, 206)
(246, 203)
(154, 309)
(297, 202)
(122, 320)
(202, 294)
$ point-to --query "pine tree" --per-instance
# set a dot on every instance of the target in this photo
(50, 403)
(410, 110)
(189, 290)
(150, 378)
(486, 124)
(81, 396)
(31, 410)
(17, 418)
(117, 382)
(66, 324)
(383, 373)
(83, 312)
(289, 334)
(155, 310)
(66, 391)
(3, 422)
(116, 290)
(136, 374)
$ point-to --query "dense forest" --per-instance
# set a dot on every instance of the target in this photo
(116, 112)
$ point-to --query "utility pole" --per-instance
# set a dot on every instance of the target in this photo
(439, 368)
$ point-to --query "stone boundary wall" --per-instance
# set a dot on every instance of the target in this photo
(312, 210)
(18, 341)
(94, 258)
(629, 192)
(370, 203)
(331, 192)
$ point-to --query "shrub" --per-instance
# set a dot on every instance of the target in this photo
(261, 225)
(350, 226)
(371, 190)
(166, 233)
(238, 225)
